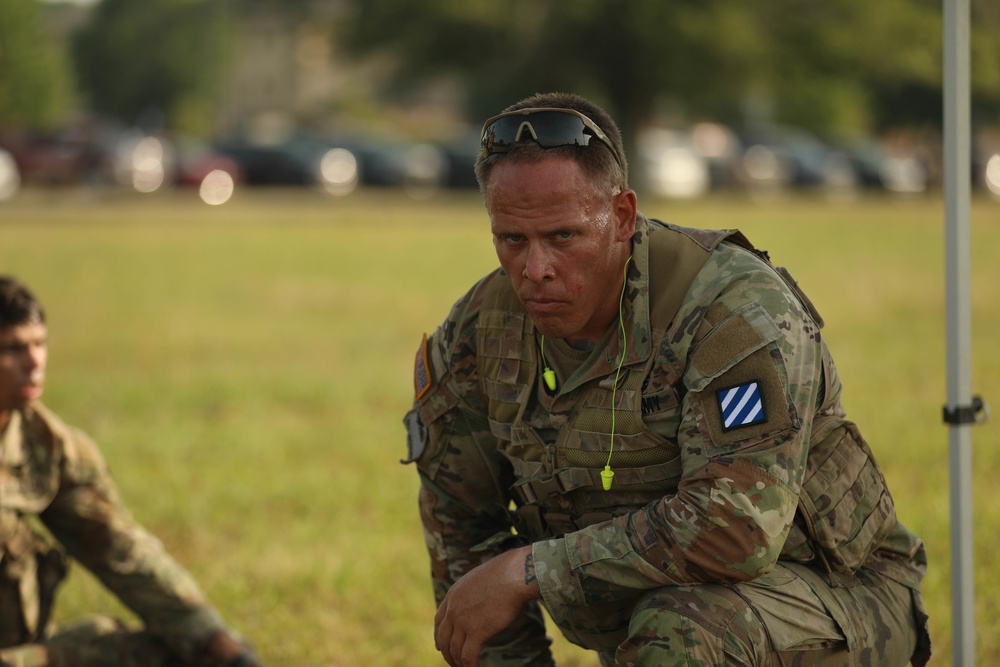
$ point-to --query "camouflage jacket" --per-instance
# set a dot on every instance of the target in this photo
(53, 476)
(730, 447)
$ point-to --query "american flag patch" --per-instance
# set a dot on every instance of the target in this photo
(421, 371)
(741, 405)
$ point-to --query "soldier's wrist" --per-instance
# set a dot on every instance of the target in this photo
(246, 659)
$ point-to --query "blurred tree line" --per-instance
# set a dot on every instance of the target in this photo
(35, 73)
(845, 67)
(849, 67)
(140, 61)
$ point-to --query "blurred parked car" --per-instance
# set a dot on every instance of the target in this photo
(460, 154)
(417, 167)
(720, 146)
(196, 160)
(214, 174)
(991, 174)
(149, 163)
(71, 156)
(143, 162)
(778, 157)
(295, 162)
(339, 165)
(10, 176)
(898, 170)
(669, 165)
(986, 161)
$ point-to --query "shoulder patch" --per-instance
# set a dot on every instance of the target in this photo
(421, 371)
(735, 337)
(742, 405)
(746, 403)
(416, 436)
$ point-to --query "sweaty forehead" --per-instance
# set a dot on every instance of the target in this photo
(550, 182)
(532, 167)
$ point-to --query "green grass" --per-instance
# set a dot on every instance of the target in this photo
(245, 370)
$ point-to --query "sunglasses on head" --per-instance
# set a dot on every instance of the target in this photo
(546, 127)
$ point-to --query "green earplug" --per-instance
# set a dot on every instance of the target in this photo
(549, 376)
(606, 476)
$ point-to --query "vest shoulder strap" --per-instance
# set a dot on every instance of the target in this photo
(690, 260)
(676, 255)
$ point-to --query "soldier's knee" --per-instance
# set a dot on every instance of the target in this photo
(709, 625)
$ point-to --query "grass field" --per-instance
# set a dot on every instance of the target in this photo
(246, 369)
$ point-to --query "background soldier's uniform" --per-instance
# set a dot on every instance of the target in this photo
(733, 526)
(54, 476)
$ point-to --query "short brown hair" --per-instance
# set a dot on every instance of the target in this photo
(601, 165)
(18, 305)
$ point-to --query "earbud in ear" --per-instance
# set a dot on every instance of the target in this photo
(549, 376)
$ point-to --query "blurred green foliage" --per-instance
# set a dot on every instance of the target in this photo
(34, 70)
(846, 68)
(158, 62)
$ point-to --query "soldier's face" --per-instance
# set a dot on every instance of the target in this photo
(23, 355)
(563, 243)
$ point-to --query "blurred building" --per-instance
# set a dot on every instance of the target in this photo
(281, 70)
(287, 70)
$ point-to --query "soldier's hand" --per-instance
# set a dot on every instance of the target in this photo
(226, 650)
(482, 603)
(246, 659)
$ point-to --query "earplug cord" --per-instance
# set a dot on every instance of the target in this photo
(550, 377)
(621, 360)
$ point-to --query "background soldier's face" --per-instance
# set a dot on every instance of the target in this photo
(23, 355)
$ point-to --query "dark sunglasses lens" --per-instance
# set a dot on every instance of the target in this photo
(559, 129)
(549, 128)
(500, 135)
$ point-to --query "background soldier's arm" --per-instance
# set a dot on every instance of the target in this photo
(89, 519)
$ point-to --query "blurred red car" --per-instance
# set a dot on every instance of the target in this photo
(67, 157)
(195, 161)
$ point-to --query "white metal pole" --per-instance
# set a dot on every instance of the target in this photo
(957, 166)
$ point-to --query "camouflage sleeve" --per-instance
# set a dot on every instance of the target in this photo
(463, 478)
(752, 378)
(89, 519)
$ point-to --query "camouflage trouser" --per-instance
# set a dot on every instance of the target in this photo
(788, 617)
(97, 641)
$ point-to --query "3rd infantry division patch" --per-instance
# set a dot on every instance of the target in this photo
(742, 405)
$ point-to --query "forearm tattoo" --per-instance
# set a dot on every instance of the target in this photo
(529, 569)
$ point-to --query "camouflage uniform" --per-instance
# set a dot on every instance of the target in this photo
(747, 520)
(53, 479)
